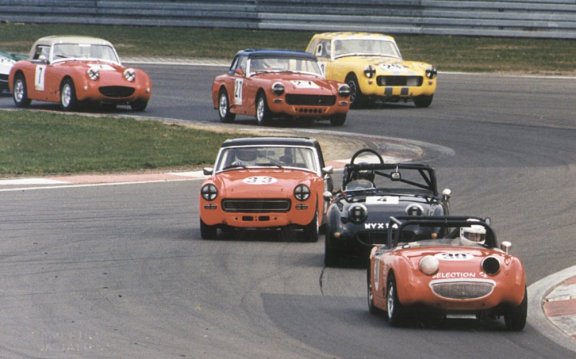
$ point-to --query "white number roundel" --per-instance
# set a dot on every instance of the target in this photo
(263, 180)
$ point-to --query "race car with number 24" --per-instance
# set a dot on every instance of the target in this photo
(269, 84)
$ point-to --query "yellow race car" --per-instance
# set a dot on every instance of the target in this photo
(371, 64)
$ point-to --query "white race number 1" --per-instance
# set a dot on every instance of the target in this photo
(39, 77)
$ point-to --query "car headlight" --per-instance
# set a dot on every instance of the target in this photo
(302, 192)
(491, 265)
(344, 90)
(93, 73)
(130, 74)
(209, 192)
(278, 88)
(369, 71)
(431, 72)
(357, 213)
(429, 265)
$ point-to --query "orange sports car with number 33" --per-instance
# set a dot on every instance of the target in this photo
(71, 70)
(457, 270)
(266, 183)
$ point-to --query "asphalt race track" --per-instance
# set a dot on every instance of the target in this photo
(121, 271)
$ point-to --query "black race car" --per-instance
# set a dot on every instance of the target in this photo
(373, 192)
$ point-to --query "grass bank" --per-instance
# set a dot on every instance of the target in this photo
(448, 53)
(36, 143)
(40, 143)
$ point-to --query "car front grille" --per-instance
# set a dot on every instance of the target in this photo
(116, 91)
(399, 80)
(462, 289)
(256, 205)
(310, 100)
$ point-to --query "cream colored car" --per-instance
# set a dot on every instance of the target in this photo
(371, 64)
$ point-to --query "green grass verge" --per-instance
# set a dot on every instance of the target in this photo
(35, 143)
(448, 53)
(39, 143)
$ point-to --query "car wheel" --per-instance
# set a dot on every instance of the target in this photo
(20, 94)
(207, 232)
(423, 101)
(394, 309)
(224, 107)
(68, 99)
(357, 99)
(338, 120)
(515, 317)
(312, 230)
(139, 105)
(370, 293)
(263, 114)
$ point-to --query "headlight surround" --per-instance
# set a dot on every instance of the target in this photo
(130, 74)
(491, 265)
(302, 192)
(431, 72)
(209, 192)
(278, 88)
(357, 213)
(344, 90)
(93, 73)
(429, 265)
(370, 71)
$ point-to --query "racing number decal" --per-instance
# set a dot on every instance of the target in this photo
(238, 91)
(39, 77)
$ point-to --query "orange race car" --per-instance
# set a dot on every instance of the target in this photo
(266, 183)
(278, 83)
(458, 270)
(70, 70)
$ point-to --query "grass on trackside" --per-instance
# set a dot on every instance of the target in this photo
(448, 53)
(35, 143)
(40, 143)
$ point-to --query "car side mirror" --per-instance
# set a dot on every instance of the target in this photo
(328, 170)
(446, 194)
(506, 247)
(207, 171)
(395, 176)
(327, 195)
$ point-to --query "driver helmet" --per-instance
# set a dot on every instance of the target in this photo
(475, 233)
(246, 154)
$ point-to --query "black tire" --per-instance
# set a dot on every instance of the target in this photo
(224, 107)
(423, 101)
(331, 255)
(139, 105)
(357, 99)
(515, 317)
(370, 294)
(263, 114)
(208, 232)
(20, 92)
(338, 120)
(312, 230)
(394, 310)
(68, 99)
